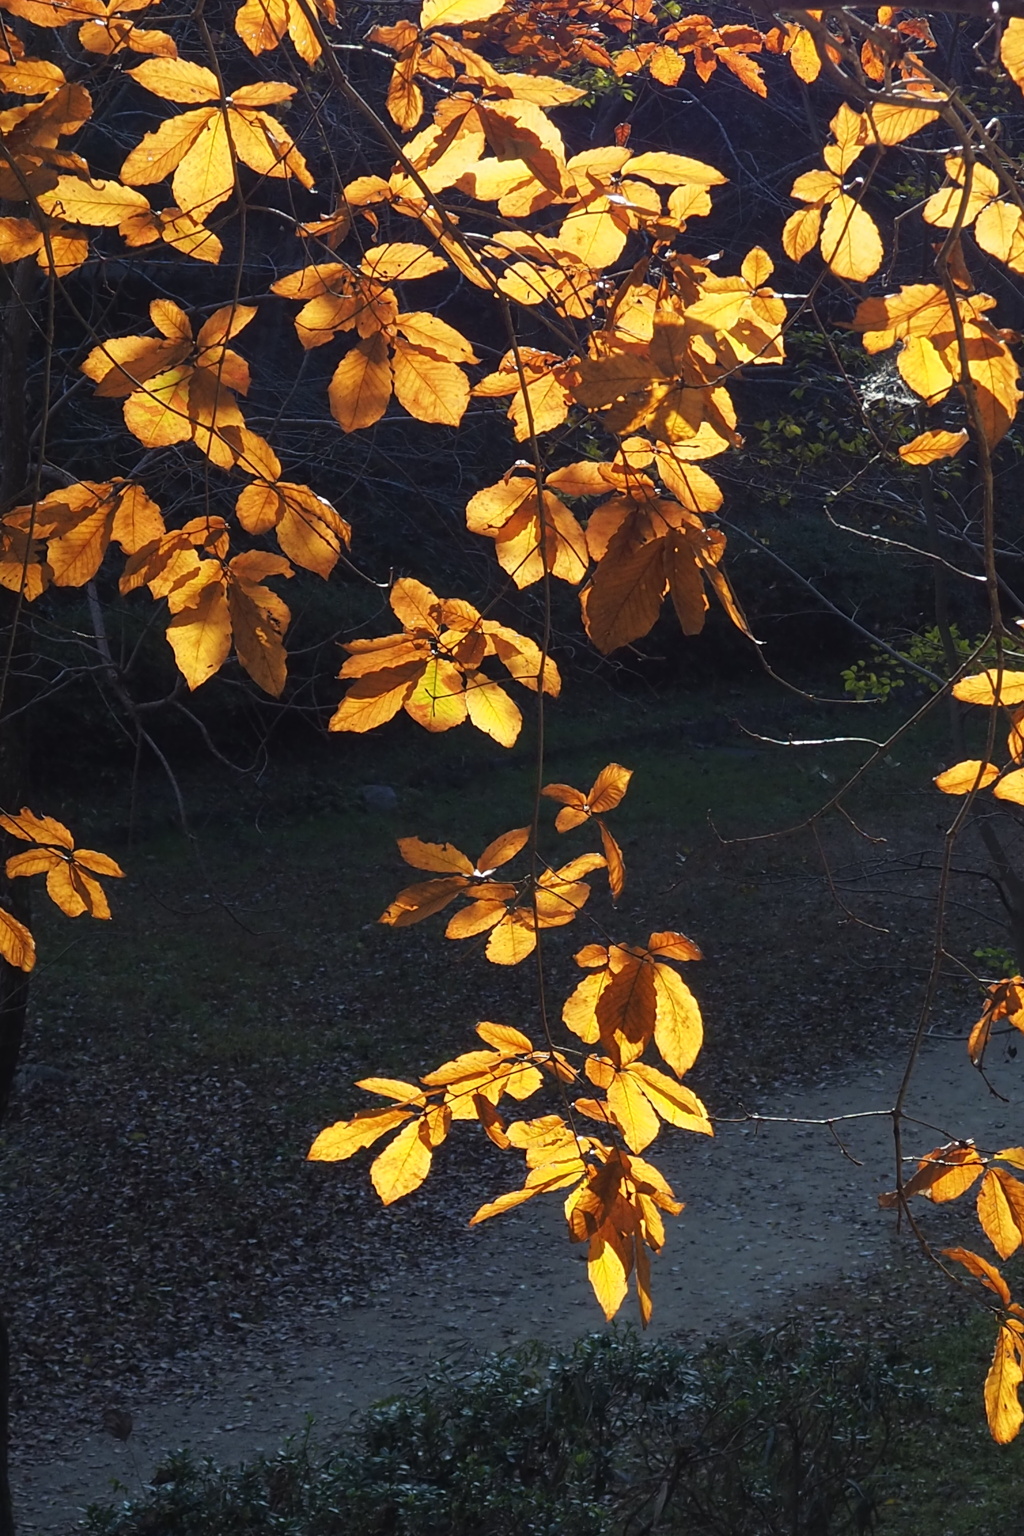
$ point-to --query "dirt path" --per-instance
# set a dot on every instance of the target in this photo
(775, 1213)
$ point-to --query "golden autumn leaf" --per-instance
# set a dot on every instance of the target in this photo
(928, 447)
(991, 687)
(982, 1270)
(70, 872)
(200, 635)
(850, 242)
(346, 1137)
(1011, 787)
(1011, 50)
(17, 945)
(1003, 1001)
(199, 148)
(1001, 1211)
(1003, 1382)
(966, 777)
(944, 1175)
(403, 1164)
(456, 13)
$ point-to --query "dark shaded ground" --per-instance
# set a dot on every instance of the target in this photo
(156, 1202)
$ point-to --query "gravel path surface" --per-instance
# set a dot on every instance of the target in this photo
(775, 1214)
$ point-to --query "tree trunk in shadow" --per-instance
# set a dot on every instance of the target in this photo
(24, 284)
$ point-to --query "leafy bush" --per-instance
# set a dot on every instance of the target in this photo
(770, 1435)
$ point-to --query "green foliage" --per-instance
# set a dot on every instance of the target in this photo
(769, 1435)
(879, 676)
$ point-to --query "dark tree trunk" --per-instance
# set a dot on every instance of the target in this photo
(16, 340)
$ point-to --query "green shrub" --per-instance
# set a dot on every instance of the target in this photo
(770, 1435)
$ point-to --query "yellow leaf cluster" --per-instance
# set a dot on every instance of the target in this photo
(432, 669)
(263, 24)
(77, 523)
(215, 602)
(70, 873)
(631, 996)
(181, 388)
(416, 354)
(604, 795)
(920, 319)
(509, 912)
(200, 149)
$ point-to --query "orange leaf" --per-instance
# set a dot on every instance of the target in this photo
(927, 447)
(457, 13)
(403, 1165)
(1002, 1384)
(990, 687)
(850, 241)
(347, 1137)
(609, 1262)
(16, 943)
(1001, 1211)
(678, 1029)
(966, 777)
(361, 387)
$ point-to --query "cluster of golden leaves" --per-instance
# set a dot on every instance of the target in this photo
(631, 997)
(950, 1171)
(432, 669)
(71, 878)
(652, 339)
(417, 355)
(943, 1175)
(511, 912)
(847, 234)
(994, 687)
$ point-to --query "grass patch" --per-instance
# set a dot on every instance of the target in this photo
(944, 1474)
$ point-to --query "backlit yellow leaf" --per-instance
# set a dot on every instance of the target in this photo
(372, 701)
(205, 175)
(430, 388)
(989, 687)
(800, 232)
(850, 241)
(157, 155)
(1002, 1386)
(438, 702)
(1001, 1211)
(927, 447)
(632, 1112)
(679, 1029)
(1011, 50)
(1011, 787)
(891, 123)
(624, 598)
(512, 940)
(948, 1172)
(675, 170)
(609, 1262)
(963, 778)
(457, 13)
(923, 368)
(200, 637)
(16, 943)
(592, 232)
(402, 1166)
(92, 202)
(361, 387)
(999, 230)
(177, 80)
(347, 1137)
(673, 1102)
